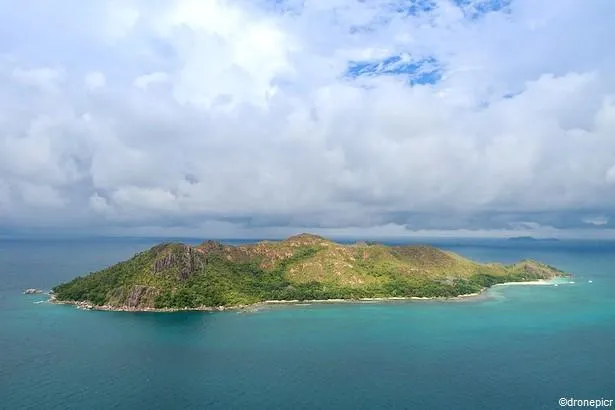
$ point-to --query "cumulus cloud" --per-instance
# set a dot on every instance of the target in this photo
(229, 117)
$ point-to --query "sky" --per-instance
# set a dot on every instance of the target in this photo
(264, 118)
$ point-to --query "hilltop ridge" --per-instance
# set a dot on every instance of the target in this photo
(301, 267)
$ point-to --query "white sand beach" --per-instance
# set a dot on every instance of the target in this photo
(539, 282)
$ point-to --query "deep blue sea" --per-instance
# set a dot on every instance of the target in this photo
(522, 347)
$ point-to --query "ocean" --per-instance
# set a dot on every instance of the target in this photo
(520, 347)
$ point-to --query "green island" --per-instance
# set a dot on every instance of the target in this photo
(176, 276)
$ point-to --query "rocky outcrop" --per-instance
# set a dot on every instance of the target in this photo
(230, 253)
(306, 239)
(32, 291)
(141, 296)
(182, 258)
(211, 247)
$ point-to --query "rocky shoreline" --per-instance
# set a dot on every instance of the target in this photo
(89, 306)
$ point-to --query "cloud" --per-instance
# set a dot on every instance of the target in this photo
(45, 78)
(40, 195)
(596, 220)
(144, 81)
(248, 118)
(94, 79)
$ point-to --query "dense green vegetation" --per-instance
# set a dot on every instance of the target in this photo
(301, 268)
(96, 286)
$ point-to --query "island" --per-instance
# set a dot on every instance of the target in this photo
(531, 239)
(212, 275)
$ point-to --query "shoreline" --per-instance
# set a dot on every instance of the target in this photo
(469, 296)
(538, 282)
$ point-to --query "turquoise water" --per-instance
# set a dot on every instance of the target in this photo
(522, 347)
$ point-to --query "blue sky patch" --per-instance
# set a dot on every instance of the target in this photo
(403, 8)
(474, 9)
(423, 71)
(412, 7)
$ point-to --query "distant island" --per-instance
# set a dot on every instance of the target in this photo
(176, 276)
(531, 239)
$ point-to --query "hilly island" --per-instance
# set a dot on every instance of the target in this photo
(176, 276)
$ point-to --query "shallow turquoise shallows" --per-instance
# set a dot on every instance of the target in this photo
(521, 347)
